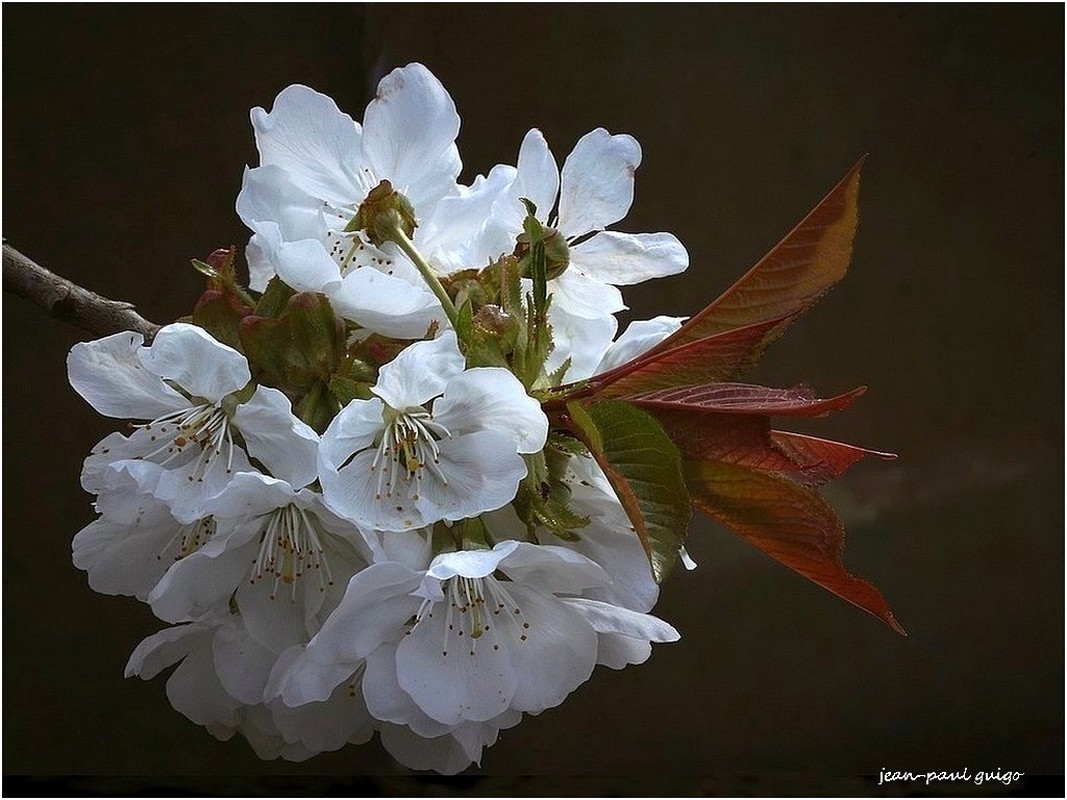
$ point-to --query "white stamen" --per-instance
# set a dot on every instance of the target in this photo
(491, 610)
(189, 538)
(408, 444)
(205, 425)
(290, 549)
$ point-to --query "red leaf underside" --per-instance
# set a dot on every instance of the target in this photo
(744, 398)
(787, 521)
(821, 460)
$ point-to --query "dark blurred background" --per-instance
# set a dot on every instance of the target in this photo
(125, 133)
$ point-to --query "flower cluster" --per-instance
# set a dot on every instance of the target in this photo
(410, 480)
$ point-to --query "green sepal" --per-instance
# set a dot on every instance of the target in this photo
(317, 407)
(345, 390)
(299, 351)
(220, 314)
(543, 499)
(555, 378)
(475, 534)
(273, 301)
(318, 333)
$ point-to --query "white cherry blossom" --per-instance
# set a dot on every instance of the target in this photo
(594, 190)
(436, 442)
(318, 166)
(277, 555)
(185, 384)
(219, 683)
(460, 650)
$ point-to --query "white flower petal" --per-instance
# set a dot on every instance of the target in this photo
(608, 618)
(122, 558)
(420, 372)
(242, 664)
(476, 736)
(597, 182)
(199, 364)
(557, 656)
(307, 267)
(353, 491)
(308, 136)
(270, 204)
(409, 133)
(112, 472)
(111, 378)
(259, 254)
(353, 429)
(158, 651)
(489, 398)
(639, 336)
(273, 612)
(386, 304)
(387, 702)
(205, 579)
(483, 473)
(194, 690)
(287, 446)
(583, 296)
(299, 680)
(687, 560)
(325, 726)
(257, 727)
(442, 754)
(613, 545)
(552, 569)
(459, 234)
(249, 494)
(623, 259)
(187, 484)
(413, 549)
(537, 177)
(374, 610)
(467, 564)
(452, 676)
(583, 341)
(616, 651)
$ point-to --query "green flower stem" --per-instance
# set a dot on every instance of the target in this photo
(405, 244)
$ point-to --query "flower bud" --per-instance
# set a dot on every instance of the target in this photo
(557, 253)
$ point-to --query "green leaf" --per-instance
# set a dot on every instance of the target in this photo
(645, 470)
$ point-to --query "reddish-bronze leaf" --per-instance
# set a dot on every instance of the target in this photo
(791, 277)
(731, 333)
(748, 441)
(745, 398)
(719, 357)
(820, 460)
(787, 521)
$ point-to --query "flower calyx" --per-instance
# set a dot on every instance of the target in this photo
(382, 214)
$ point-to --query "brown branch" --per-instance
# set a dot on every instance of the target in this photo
(69, 302)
